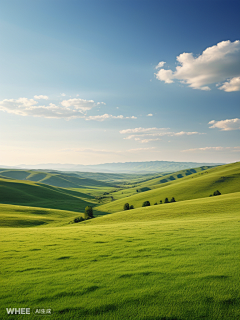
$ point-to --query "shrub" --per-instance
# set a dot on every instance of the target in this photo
(146, 204)
(79, 219)
(173, 200)
(89, 212)
(155, 203)
(131, 207)
(160, 201)
(166, 200)
(126, 206)
(216, 193)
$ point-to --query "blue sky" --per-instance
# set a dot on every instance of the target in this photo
(80, 83)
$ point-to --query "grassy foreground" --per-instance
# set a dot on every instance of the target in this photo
(172, 262)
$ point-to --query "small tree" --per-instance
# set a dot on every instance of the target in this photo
(166, 200)
(216, 193)
(131, 207)
(160, 201)
(155, 203)
(173, 200)
(79, 219)
(126, 206)
(146, 204)
(89, 212)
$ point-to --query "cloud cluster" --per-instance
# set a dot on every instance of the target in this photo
(236, 149)
(216, 64)
(226, 125)
(68, 109)
(145, 135)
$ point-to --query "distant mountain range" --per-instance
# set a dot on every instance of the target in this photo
(120, 167)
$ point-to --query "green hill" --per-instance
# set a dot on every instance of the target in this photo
(23, 216)
(62, 180)
(199, 185)
(29, 193)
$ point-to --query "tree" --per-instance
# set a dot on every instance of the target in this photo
(79, 219)
(155, 203)
(126, 206)
(89, 212)
(216, 193)
(173, 200)
(160, 201)
(146, 204)
(166, 200)
(131, 207)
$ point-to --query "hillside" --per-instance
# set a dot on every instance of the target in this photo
(199, 185)
(29, 193)
(70, 180)
(23, 216)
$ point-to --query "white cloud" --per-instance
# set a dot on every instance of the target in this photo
(68, 109)
(235, 149)
(63, 94)
(41, 97)
(160, 64)
(150, 115)
(216, 64)
(226, 125)
(142, 135)
(231, 85)
(137, 130)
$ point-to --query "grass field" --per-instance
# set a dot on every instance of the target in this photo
(177, 261)
(180, 261)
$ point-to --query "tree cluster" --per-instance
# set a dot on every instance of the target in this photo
(127, 206)
(88, 215)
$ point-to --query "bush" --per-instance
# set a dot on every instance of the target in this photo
(131, 207)
(126, 206)
(216, 193)
(146, 204)
(155, 203)
(79, 219)
(166, 200)
(173, 200)
(160, 201)
(89, 212)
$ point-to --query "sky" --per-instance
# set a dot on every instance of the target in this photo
(99, 81)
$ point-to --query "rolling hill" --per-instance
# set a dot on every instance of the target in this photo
(28, 193)
(198, 185)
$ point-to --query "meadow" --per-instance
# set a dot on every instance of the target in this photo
(176, 261)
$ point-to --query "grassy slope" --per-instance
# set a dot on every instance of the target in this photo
(199, 185)
(22, 216)
(39, 195)
(179, 261)
(154, 182)
(54, 179)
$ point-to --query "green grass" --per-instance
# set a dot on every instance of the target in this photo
(199, 185)
(63, 180)
(28, 193)
(175, 261)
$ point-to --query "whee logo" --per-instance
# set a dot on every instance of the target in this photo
(18, 310)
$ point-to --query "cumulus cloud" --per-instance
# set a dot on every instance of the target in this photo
(226, 125)
(150, 115)
(236, 149)
(68, 109)
(216, 64)
(41, 97)
(231, 85)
